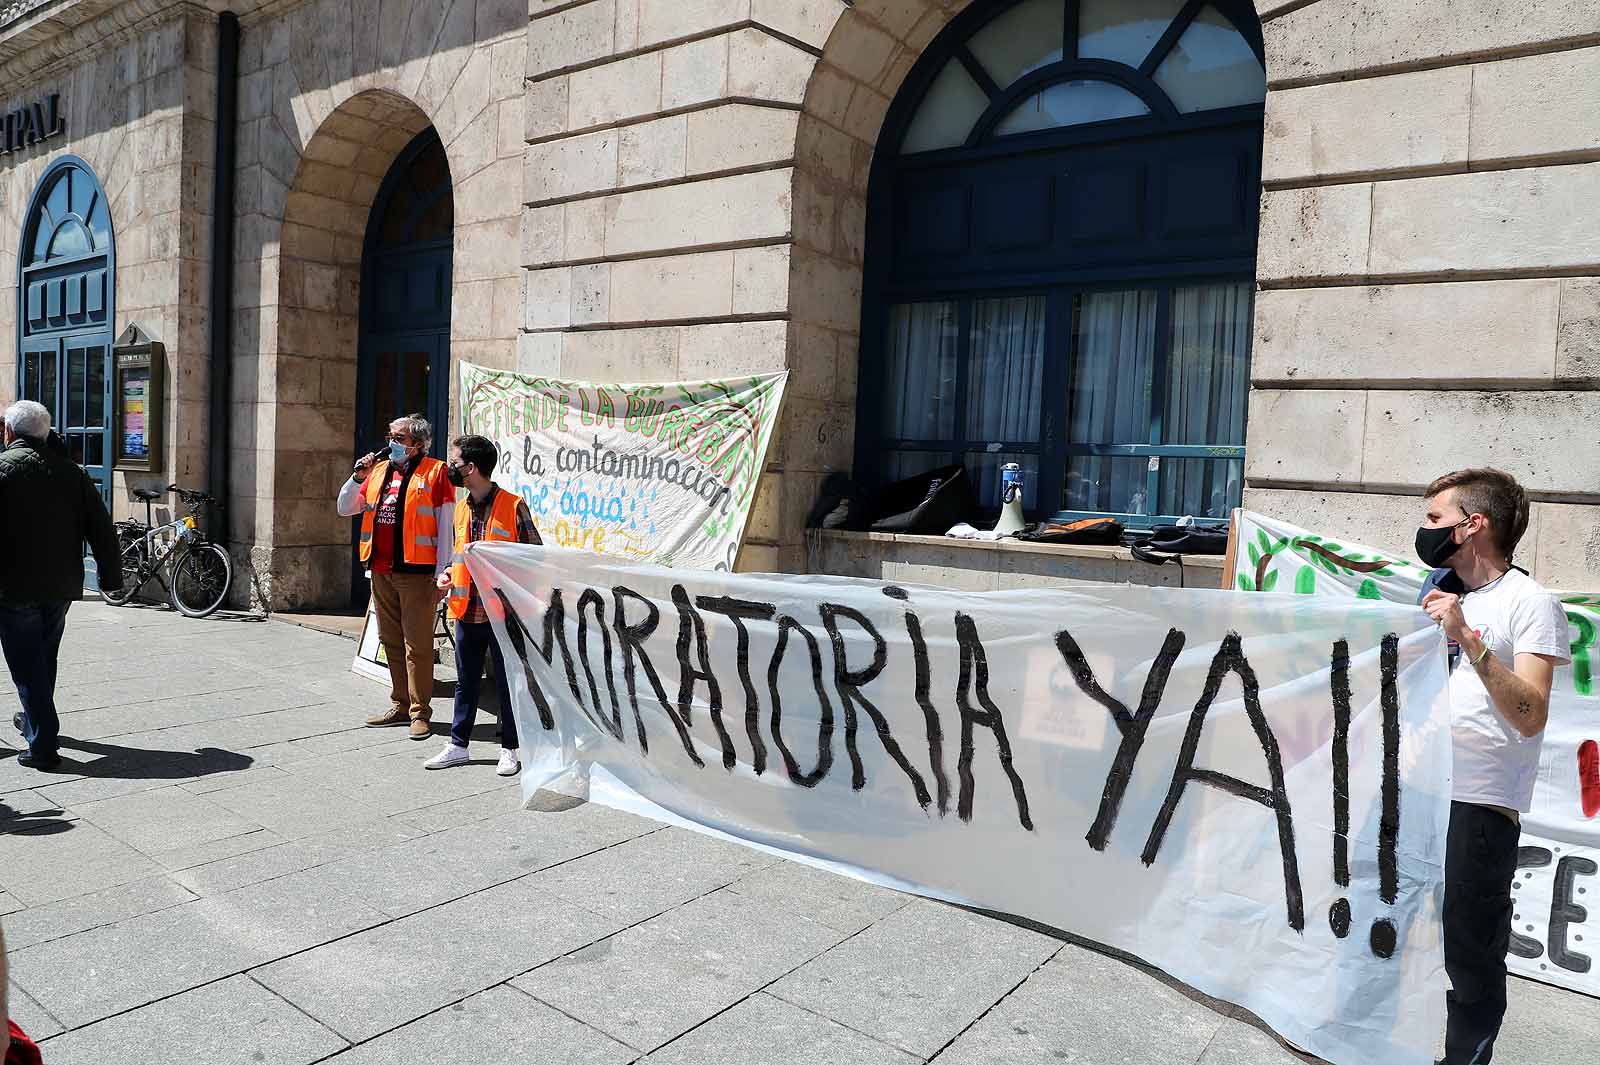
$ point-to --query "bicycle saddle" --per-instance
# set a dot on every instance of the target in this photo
(149, 495)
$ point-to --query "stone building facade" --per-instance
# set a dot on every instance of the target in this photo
(658, 189)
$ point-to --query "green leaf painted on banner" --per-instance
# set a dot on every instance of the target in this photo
(1369, 590)
(1269, 581)
(1244, 583)
(1255, 556)
(1305, 582)
(1384, 572)
(1264, 540)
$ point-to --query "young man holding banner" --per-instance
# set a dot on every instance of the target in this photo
(1507, 636)
(488, 513)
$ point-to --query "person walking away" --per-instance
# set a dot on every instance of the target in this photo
(488, 513)
(49, 507)
(405, 503)
(1506, 637)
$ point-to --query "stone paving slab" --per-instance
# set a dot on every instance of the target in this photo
(39, 866)
(164, 819)
(30, 1016)
(762, 1030)
(653, 982)
(216, 850)
(294, 808)
(500, 1026)
(95, 974)
(1118, 1014)
(841, 903)
(456, 813)
(1237, 1043)
(232, 1022)
(437, 868)
(367, 984)
(683, 866)
(57, 920)
(920, 976)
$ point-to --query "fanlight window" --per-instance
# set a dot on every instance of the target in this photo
(1036, 67)
(72, 221)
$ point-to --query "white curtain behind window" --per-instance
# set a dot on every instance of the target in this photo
(1208, 384)
(919, 387)
(1109, 401)
(1006, 370)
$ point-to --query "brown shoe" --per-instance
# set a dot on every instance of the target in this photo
(389, 718)
(419, 728)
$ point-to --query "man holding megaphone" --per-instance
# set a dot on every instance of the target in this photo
(405, 502)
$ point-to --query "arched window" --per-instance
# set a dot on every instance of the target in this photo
(64, 314)
(1061, 247)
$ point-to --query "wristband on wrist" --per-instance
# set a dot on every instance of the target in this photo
(1481, 656)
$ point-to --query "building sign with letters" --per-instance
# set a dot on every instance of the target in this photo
(32, 123)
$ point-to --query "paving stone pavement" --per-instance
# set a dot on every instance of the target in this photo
(228, 868)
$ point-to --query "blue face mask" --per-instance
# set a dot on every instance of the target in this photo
(397, 452)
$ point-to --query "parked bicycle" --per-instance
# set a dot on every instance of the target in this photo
(195, 573)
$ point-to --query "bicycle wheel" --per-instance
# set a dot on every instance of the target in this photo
(200, 580)
(133, 573)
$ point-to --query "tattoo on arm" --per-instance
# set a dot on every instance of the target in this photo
(1524, 708)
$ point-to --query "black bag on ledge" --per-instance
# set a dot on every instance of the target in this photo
(1103, 531)
(1180, 540)
(929, 503)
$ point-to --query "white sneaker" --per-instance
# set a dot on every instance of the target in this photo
(509, 765)
(451, 755)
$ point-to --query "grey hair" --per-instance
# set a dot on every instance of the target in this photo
(416, 427)
(28, 419)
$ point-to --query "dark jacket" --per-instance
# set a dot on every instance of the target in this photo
(48, 508)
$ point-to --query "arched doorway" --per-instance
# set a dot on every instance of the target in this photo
(1060, 255)
(65, 292)
(404, 348)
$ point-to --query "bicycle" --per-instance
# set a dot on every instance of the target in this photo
(201, 572)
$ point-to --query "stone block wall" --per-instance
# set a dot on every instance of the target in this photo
(695, 188)
(330, 92)
(138, 104)
(1428, 261)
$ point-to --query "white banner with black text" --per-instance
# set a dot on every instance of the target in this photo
(1249, 792)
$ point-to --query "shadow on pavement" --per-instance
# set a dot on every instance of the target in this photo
(135, 763)
(46, 822)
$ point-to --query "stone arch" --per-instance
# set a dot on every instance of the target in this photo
(309, 368)
(331, 91)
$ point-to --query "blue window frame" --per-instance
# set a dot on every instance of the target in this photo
(66, 289)
(1061, 253)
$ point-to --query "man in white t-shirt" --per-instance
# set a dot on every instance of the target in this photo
(1507, 636)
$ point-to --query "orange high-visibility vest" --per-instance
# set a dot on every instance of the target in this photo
(501, 525)
(419, 519)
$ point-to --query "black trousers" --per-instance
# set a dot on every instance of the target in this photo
(1480, 861)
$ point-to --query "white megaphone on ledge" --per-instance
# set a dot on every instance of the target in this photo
(1011, 520)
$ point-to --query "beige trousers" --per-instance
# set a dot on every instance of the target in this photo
(405, 604)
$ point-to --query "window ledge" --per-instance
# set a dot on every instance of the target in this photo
(1097, 551)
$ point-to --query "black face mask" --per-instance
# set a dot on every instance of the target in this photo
(1435, 547)
(454, 475)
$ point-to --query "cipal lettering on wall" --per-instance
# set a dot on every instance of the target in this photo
(1248, 791)
(32, 123)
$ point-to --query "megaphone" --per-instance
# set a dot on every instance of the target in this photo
(1011, 519)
